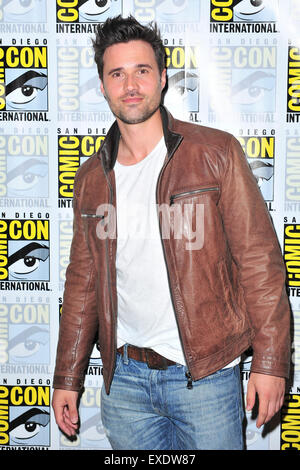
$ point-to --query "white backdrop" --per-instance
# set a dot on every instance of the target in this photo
(233, 65)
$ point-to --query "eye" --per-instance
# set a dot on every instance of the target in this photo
(248, 9)
(22, 95)
(25, 176)
(92, 429)
(249, 95)
(26, 349)
(256, 3)
(183, 82)
(26, 261)
(142, 72)
(28, 179)
(25, 88)
(90, 94)
(172, 7)
(28, 343)
(92, 9)
(28, 425)
(25, 431)
(26, 265)
(19, 7)
(252, 88)
(252, 435)
(117, 75)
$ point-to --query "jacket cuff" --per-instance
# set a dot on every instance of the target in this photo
(270, 367)
(68, 383)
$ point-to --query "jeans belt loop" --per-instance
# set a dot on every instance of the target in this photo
(125, 354)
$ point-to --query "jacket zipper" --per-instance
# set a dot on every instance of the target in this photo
(172, 198)
(108, 270)
(191, 193)
(98, 216)
(187, 374)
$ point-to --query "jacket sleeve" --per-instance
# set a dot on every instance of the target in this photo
(79, 322)
(257, 254)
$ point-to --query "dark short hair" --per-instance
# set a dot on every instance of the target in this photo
(118, 29)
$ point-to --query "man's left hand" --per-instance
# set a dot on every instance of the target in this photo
(270, 390)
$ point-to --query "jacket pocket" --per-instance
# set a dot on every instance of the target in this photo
(98, 226)
(228, 292)
(93, 216)
(90, 221)
(192, 193)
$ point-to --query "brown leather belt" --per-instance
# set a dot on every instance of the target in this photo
(152, 358)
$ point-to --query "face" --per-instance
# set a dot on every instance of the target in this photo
(131, 81)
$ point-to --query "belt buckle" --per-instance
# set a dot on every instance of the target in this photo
(155, 362)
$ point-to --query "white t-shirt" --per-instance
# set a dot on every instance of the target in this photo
(146, 316)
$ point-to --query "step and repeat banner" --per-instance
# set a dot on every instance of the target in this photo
(233, 65)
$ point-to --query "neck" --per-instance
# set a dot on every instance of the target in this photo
(138, 140)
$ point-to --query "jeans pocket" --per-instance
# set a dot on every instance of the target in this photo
(222, 373)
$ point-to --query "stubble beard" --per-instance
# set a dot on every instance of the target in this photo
(136, 120)
(144, 114)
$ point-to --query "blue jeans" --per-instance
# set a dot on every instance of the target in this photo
(151, 409)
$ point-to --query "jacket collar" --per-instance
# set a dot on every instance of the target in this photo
(109, 149)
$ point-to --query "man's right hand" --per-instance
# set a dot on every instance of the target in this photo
(64, 403)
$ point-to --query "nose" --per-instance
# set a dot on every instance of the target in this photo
(131, 82)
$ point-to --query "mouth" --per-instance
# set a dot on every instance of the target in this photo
(132, 99)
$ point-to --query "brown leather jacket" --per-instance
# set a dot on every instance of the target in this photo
(228, 295)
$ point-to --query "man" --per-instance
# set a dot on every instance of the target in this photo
(175, 267)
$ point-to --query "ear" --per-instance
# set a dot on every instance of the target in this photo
(163, 78)
(102, 89)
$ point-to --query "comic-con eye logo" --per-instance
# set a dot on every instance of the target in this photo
(92, 434)
(243, 10)
(183, 78)
(25, 415)
(25, 338)
(23, 11)
(24, 166)
(293, 85)
(167, 11)
(86, 11)
(24, 250)
(78, 83)
(23, 78)
(243, 16)
(260, 152)
(243, 79)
